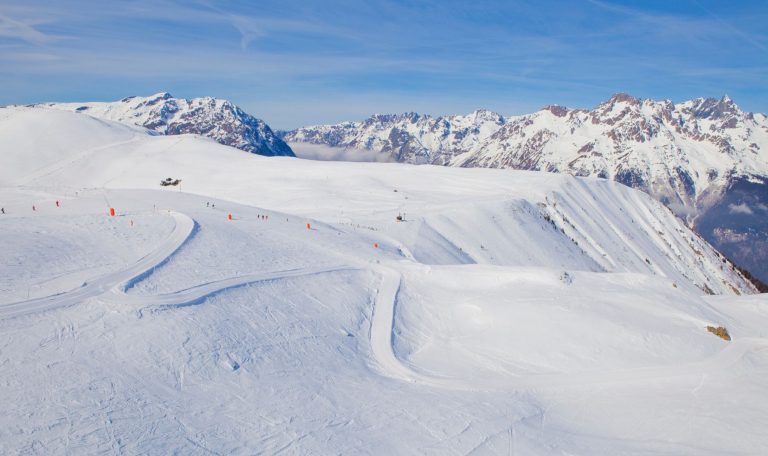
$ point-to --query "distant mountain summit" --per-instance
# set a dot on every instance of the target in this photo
(691, 156)
(214, 118)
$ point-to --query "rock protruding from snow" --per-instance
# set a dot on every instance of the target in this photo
(214, 118)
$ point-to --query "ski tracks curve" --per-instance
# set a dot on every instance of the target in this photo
(382, 333)
(122, 279)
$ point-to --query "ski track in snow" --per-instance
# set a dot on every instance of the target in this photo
(112, 288)
(116, 280)
(382, 327)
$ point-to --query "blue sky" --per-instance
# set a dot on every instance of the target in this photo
(299, 63)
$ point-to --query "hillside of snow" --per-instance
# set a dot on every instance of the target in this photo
(506, 312)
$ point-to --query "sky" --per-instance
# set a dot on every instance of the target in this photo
(313, 62)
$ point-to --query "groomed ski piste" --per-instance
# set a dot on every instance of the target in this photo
(506, 313)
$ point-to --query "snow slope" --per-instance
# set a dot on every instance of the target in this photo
(510, 312)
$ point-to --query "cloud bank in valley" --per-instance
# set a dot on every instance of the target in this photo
(326, 153)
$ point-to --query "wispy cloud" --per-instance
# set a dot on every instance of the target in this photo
(10, 28)
(682, 28)
(324, 153)
(753, 39)
(742, 208)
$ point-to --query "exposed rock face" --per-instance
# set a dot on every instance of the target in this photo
(686, 155)
(211, 117)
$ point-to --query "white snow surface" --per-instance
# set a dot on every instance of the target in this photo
(509, 312)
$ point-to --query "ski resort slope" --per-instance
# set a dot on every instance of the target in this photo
(508, 313)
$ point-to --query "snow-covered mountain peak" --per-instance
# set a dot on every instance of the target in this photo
(712, 109)
(556, 110)
(213, 117)
(411, 117)
(622, 97)
(485, 115)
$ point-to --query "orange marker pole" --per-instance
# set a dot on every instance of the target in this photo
(111, 211)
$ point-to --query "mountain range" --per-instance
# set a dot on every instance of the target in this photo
(705, 159)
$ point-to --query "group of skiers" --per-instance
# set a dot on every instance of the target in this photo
(34, 208)
(259, 216)
(207, 204)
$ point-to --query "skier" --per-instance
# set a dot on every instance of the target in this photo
(33, 208)
(57, 203)
(2, 209)
(207, 204)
